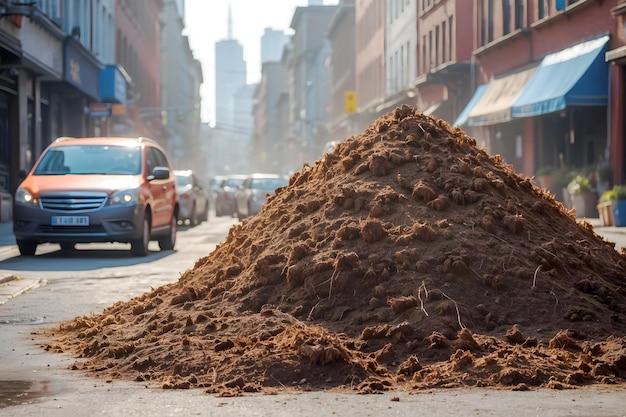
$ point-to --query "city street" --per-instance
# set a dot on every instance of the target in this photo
(55, 286)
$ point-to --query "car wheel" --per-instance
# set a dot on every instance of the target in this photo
(140, 247)
(193, 217)
(27, 247)
(205, 214)
(168, 242)
(67, 245)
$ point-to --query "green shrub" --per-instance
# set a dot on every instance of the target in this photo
(579, 184)
(608, 195)
(619, 192)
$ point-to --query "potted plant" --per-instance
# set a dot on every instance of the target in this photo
(583, 197)
(605, 207)
(561, 177)
(619, 205)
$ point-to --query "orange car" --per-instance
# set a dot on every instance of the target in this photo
(101, 189)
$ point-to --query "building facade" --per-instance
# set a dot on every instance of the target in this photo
(400, 49)
(310, 89)
(272, 44)
(370, 60)
(544, 83)
(444, 57)
(81, 68)
(52, 58)
(341, 34)
(267, 148)
(138, 50)
(181, 77)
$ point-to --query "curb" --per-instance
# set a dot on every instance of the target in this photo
(21, 286)
(6, 278)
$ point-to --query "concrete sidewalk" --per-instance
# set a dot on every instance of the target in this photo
(7, 279)
(11, 285)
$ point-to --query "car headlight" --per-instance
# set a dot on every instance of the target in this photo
(22, 195)
(125, 197)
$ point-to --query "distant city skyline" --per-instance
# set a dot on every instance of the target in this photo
(207, 23)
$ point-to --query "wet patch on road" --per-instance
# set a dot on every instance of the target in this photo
(16, 392)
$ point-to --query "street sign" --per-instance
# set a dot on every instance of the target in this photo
(100, 109)
(349, 99)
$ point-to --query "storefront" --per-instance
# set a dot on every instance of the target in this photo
(81, 70)
(568, 97)
(553, 114)
(489, 115)
(30, 50)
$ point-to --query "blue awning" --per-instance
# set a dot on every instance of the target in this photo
(577, 76)
(478, 94)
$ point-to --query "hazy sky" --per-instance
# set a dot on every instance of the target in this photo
(207, 23)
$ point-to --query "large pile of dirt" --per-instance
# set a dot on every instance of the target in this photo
(408, 258)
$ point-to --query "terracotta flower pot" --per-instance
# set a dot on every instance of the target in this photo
(585, 203)
(605, 210)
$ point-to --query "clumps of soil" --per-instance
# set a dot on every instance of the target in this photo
(406, 259)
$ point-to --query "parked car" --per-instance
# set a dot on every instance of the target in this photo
(254, 191)
(101, 189)
(193, 198)
(214, 184)
(225, 198)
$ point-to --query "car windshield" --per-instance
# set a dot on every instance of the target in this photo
(90, 159)
(267, 183)
(183, 180)
(234, 182)
(216, 183)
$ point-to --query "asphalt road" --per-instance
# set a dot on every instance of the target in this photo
(54, 287)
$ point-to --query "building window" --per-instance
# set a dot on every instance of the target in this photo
(424, 64)
(408, 66)
(506, 17)
(396, 81)
(430, 50)
(490, 21)
(444, 57)
(390, 75)
(450, 28)
(437, 46)
(519, 14)
(401, 69)
(483, 25)
(541, 9)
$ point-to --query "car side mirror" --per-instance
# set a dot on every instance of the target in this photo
(22, 174)
(159, 173)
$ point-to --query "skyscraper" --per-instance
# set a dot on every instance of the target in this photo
(272, 44)
(230, 136)
(230, 76)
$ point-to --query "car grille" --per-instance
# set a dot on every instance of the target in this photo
(73, 230)
(73, 202)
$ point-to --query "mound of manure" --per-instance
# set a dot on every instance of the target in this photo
(406, 259)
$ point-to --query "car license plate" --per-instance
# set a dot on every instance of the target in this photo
(70, 220)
